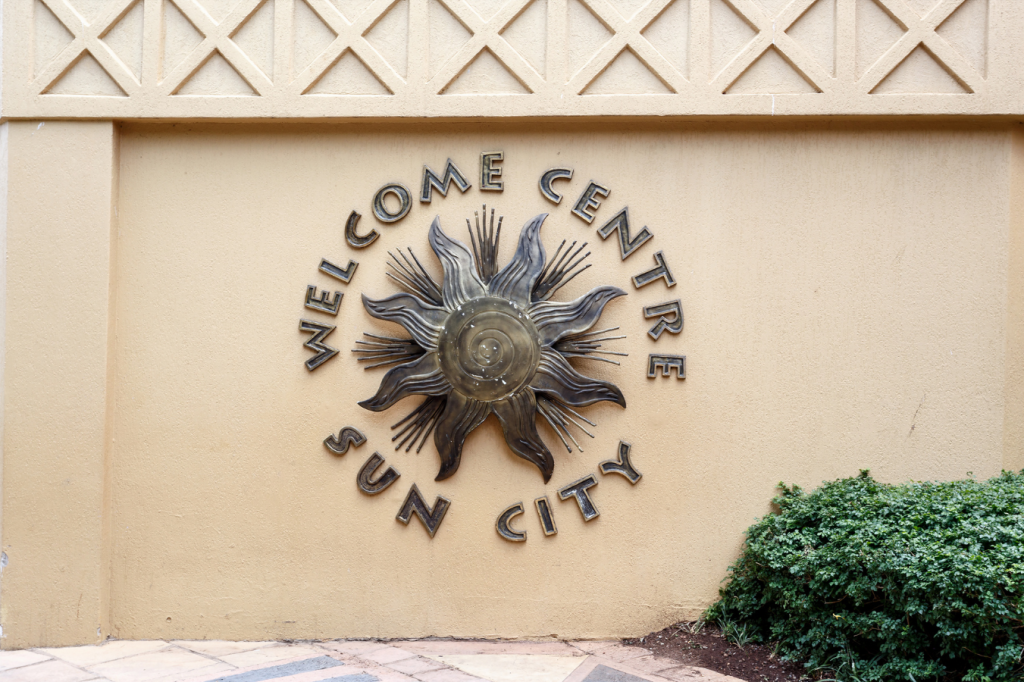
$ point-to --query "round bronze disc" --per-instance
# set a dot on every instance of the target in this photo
(488, 349)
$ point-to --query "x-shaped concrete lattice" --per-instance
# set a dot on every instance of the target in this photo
(486, 34)
(921, 31)
(772, 31)
(87, 39)
(348, 36)
(216, 38)
(627, 34)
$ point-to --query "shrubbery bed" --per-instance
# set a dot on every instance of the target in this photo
(869, 581)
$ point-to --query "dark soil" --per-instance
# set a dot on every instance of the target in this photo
(705, 647)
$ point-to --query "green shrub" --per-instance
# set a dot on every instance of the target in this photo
(869, 581)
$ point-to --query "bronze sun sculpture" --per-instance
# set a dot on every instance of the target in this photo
(488, 341)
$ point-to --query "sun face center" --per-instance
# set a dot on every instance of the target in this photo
(488, 349)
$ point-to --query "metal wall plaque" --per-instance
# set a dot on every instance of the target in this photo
(493, 338)
(489, 341)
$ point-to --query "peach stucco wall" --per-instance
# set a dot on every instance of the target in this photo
(836, 185)
(851, 295)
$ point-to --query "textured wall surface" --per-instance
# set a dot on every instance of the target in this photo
(845, 295)
(457, 58)
(58, 223)
(852, 291)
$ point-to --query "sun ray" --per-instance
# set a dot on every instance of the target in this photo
(413, 278)
(562, 270)
(485, 244)
(588, 346)
(419, 422)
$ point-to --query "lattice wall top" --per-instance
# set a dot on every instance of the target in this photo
(454, 58)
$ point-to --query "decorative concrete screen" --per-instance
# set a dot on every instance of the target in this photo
(484, 318)
(419, 58)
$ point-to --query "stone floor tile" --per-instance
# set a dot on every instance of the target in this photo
(590, 646)
(386, 655)
(393, 676)
(215, 669)
(269, 654)
(416, 664)
(686, 673)
(111, 650)
(435, 646)
(314, 668)
(48, 671)
(612, 673)
(513, 667)
(343, 672)
(152, 666)
(651, 664)
(620, 652)
(18, 659)
(218, 648)
(584, 669)
(357, 647)
(446, 675)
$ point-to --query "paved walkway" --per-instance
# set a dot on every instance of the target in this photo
(348, 661)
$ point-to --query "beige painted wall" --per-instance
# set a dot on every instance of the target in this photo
(850, 301)
(845, 296)
(58, 228)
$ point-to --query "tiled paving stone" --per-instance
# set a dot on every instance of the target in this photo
(415, 664)
(269, 654)
(513, 667)
(153, 665)
(217, 647)
(85, 656)
(441, 647)
(19, 659)
(592, 646)
(447, 675)
(603, 673)
(284, 670)
(48, 671)
(387, 655)
(349, 661)
(355, 647)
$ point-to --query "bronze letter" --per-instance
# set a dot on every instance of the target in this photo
(622, 465)
(627, 244)
(490, 171)
(354, 240)
(578, 490)
(344, 274)
(348, 436)
(666, 363)
(323, 301)
(587, 204)
(365, 481)
(431, 518)
(659, 271)
(505, 530)
(431, 181)
(670, 318)
(547, 520)
(549, 177)
(315, 344)
(380, 209)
